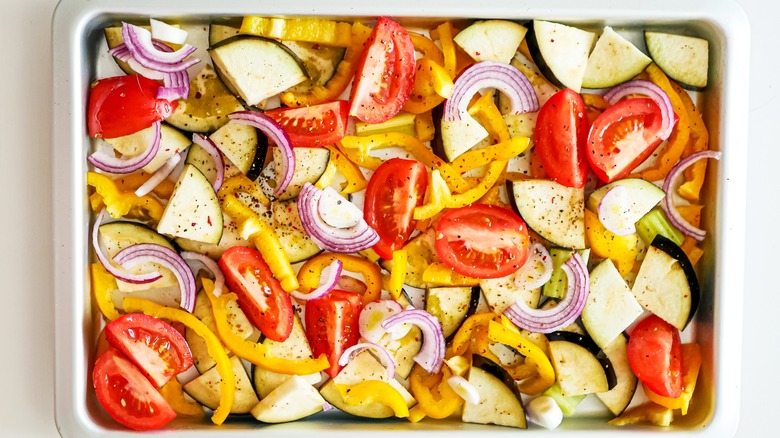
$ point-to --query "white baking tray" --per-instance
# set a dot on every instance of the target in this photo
(77, 34)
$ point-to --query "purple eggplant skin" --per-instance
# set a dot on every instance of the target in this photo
(587, 343)
(674, 251)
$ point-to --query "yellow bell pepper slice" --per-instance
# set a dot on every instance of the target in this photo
(445, 32)
(699, 141)
(498, 152)
(311, 30)
(254, 352)
(242, 184)
(423, 126)
(534, 357)
(172, 393)
(439, 274)
(427, 47)
(102, 284)
(467, 332)
(227, 383)
(398, 273)
(648, 412)
(432, 84)
(119, 203)
(691, 354)
(374, 391)
(433, 393)
(326, 178)
(437, 198)
(345, 71)
(622, 250)
(416, 414)
(355, 179)
(310, 272)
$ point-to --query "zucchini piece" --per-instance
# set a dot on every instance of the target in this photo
(683, 58)
(193, 212)
(310, 164)
(499, 399)
(580, 366)
(561, 52)
(207, 105)
(238, 143)
(491, 40)
(230, 237)
(320, 62)
(292, 400)
(501, 293)
(172, 141)
(614, 60)
(206, 391)
(553, 210)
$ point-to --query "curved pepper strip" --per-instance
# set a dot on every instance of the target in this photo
(432, 84)
(445, 33)
(439, 274)
(242, 184)
(264, 237)
(424, 128)
(227, 383)
(311, 271)
(355, 179)
(326, 178)
(649, 412)
(622, 250)
(534, 357)
(254, 352)
(438, 198)
(468, 331)
(433, 393)
(698, 141)
(345, 71)
(173, 394)
(498, 152)
(427, 47)
(398, 273)
(102, 285)
(374, 391)
(680, 135)
(119, 203)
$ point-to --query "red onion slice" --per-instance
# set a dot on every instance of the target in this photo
(566, 312)
(158, 176)
(219, 162)
(277, 135)
(384, 356)
(139, 42)
(654, 92)
(176, 85)
(328, 281)
(668, 202)
(373, 315)
(211, 265)
(537, 269)
(490, 74)
(431, 354)
(120, 274)
(110, 163)
(151, 253)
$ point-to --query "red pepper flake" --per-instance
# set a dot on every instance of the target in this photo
(208, 219)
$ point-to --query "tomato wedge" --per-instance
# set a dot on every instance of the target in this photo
(122, 105)
(655, 356)
(394, 190)
(332, 325)
(622, 137)
(267, 306)
(127, 395)
(154, 346)
(482, 241)
(317, 125)
(560, 136)
(385, 73)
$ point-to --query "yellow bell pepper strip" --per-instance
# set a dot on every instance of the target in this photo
(445, 32)
(345, 71)
(310, 30)
(436, 200)
(374, 391)
(691, 354)
(173, 394)
(434, 395)
(461, 342)
(416, 414)
(692, 214)
(423, 126)
(310, 272)
(498, 152)
(534, 357)
(227, 383)
(622, 250)
(254, 352)
(648, 412)
(699, 141)
(439, 274)
(432, 84)
(370, 255)
(102, 285)
(493, 196)
(242, 184)
(264, 237)
(398, 273)
(680, 135)
(326, 179)
(427, 47)
(132, 181)
(119, 203)
(355, 179)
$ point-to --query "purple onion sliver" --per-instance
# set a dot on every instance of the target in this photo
(668, 202)
(219, 162)
(384, 356)
(158, 176)
(139, 42)
(654, 92)
(127, 277)
(212, 266)
(112, 164)
(431, 354)
(327, 284)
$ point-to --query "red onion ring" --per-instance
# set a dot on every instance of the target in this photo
(431, 354)
(331, 275)
(276, 134)
(654, 92)
(490, 74)
(139, 42)
(566, 312)
(211, 265)
(176, 85)
(668, 202)
(151, 253)
(120, 274)
(384, 356)
(339, 240)
(372, 316)
(158, 176)
(112, 164)
(219, 162)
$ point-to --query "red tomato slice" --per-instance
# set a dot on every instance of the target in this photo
(127, 395)
(394, 190)
(622, 137)
(318, 125)
(122, 105)
(560, 136)
(332, 325)
(260, 295)
(155, 347)
(482, 241)
(385, 73)
(655, 356)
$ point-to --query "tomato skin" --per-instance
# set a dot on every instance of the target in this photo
(122, 105)
(622, 137)
(155, 347)
(655, 356)
(385, 73)
(332, 325)
(394, 190)
(267, 306)
(317, 125)
(560, 136)
(127, 395)
(482, 241)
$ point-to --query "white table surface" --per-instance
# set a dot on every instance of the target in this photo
(26, 310)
